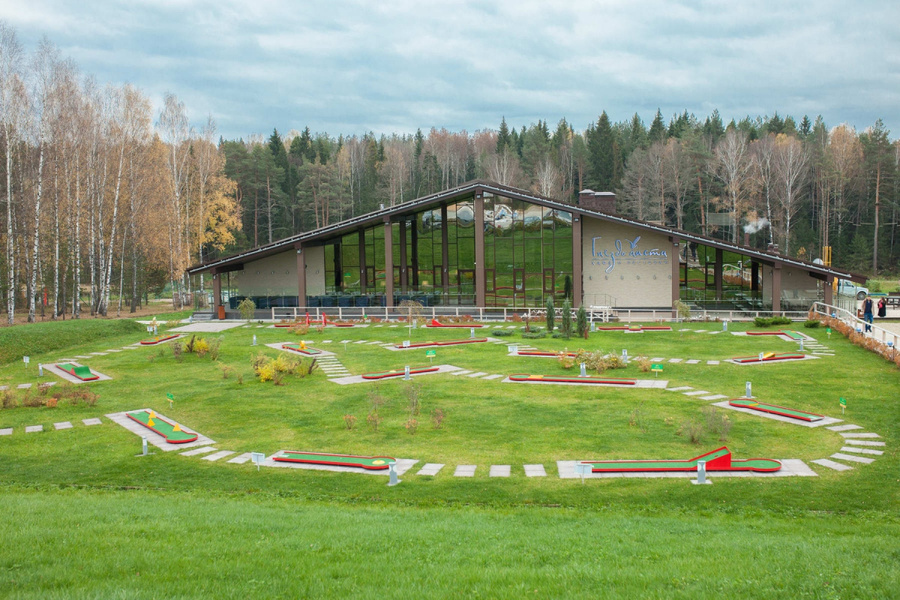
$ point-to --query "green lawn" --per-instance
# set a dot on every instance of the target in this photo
(85, 517)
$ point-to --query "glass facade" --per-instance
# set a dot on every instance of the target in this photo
(528, 256)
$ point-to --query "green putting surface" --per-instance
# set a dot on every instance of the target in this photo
(775, 409)
(372, 463)
(296, 348)
(81, 372)
(162, 427)
(716, 460)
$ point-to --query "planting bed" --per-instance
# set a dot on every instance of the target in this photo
(717, 460)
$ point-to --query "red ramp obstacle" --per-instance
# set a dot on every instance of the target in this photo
(525, 378)
(717, 460)
(436, 323)
(172, 432)
(444, 343)
(767, 357)
(370, 463)
(776, 410)
(389, 374)
(80, 371)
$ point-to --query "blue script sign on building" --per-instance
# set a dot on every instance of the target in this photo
(630, 255)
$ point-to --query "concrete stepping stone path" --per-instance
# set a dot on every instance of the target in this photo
(465, 471)
(863, 443)
(535, 471)
(861, 450)
(714, 397)
(6, 431)
(240, 458)
(23, 386)
(62, 425)
(679, 389)
(430, 469)
(833, 465)
(712, 362)
(697, 393)
(852, 458)
(499, 471)
(218, 455)
(844, 427)
(860, 435)
(34, 429)
(493, 377)
(477, 374)
(200, 450)
(94, 421)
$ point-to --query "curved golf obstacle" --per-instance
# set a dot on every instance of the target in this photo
(436, 323)
(79, 371)
(717, 460)
(389, 374)
(172, 432)
(776, 410)
(444, 343)
(159, 339)
(526, 378)
(370, 463)
(767, 357)
(301, 348)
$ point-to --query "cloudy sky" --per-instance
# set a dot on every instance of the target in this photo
(355, 66)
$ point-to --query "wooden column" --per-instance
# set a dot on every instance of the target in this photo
(776, 287)
(414, 259)
(217, 291)
(676, 274)
(301, 275)
(717, 273)
(404, 280)
(388, 263)
(829, 289)
(479, 250)
(577, 268)
(445, 252)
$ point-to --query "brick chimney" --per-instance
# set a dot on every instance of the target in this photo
(604, 202)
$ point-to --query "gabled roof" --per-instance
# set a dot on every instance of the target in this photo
(470, 188)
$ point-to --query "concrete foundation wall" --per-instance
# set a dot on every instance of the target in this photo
(632, 272)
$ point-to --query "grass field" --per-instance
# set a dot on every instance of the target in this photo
(85, 518)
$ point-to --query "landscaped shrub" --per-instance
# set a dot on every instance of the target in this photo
(637, 418)
(682, 309)
(502, 332)
(811, 323)
(411, 426)
(177, 351)
(534, 335)
(247, 308)
(581, 323)
(692, 430)
(566, 319)
(349, 422)
(770, 321)
(9, 399)
(551, 314)
(644, 365)
(717, 422)
(373, 421)
(437, 418)
(413, 391)
(565, 361)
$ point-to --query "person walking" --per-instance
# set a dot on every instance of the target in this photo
(868, 317)
(882, 308)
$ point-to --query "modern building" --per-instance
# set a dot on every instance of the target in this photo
(483, 244)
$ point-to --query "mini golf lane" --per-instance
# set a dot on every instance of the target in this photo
(301, 349)
(371, 463)
(444, 343)
(775, 409)
(789, 335)
(160, 339)
(717, 460)
(436, 323)
(526, 378)
(768, 357)
(542, 354)
(171, 432)
(400, 373)
(78, 371)
(636, 328)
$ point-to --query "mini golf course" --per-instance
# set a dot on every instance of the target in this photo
(791, 335)
(159, 339)
(545, 354)
(301, 349)
(767, 357)
(444, 343)
(389, 374)
(526, 378)
(776, 410)
(172, 433)
(436, 323)
(637, 328)
(80, 371)
(717, 460)
(370, 463)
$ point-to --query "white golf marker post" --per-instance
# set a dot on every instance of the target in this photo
(257, 458)
(748, 391)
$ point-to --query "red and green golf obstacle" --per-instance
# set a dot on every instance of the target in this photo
(717, 460)
(79, 371)
(543, 354)
(370, 463)
(526, 378)
(401, 373)
(767, 357)
(172, 432)
(635, 328)
(436, 323)
(159, 339)
(301, 349)
(775, 409)
(443, 343)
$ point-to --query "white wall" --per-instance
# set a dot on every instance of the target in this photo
(635, 277)
(271, 276)
(315, 270)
